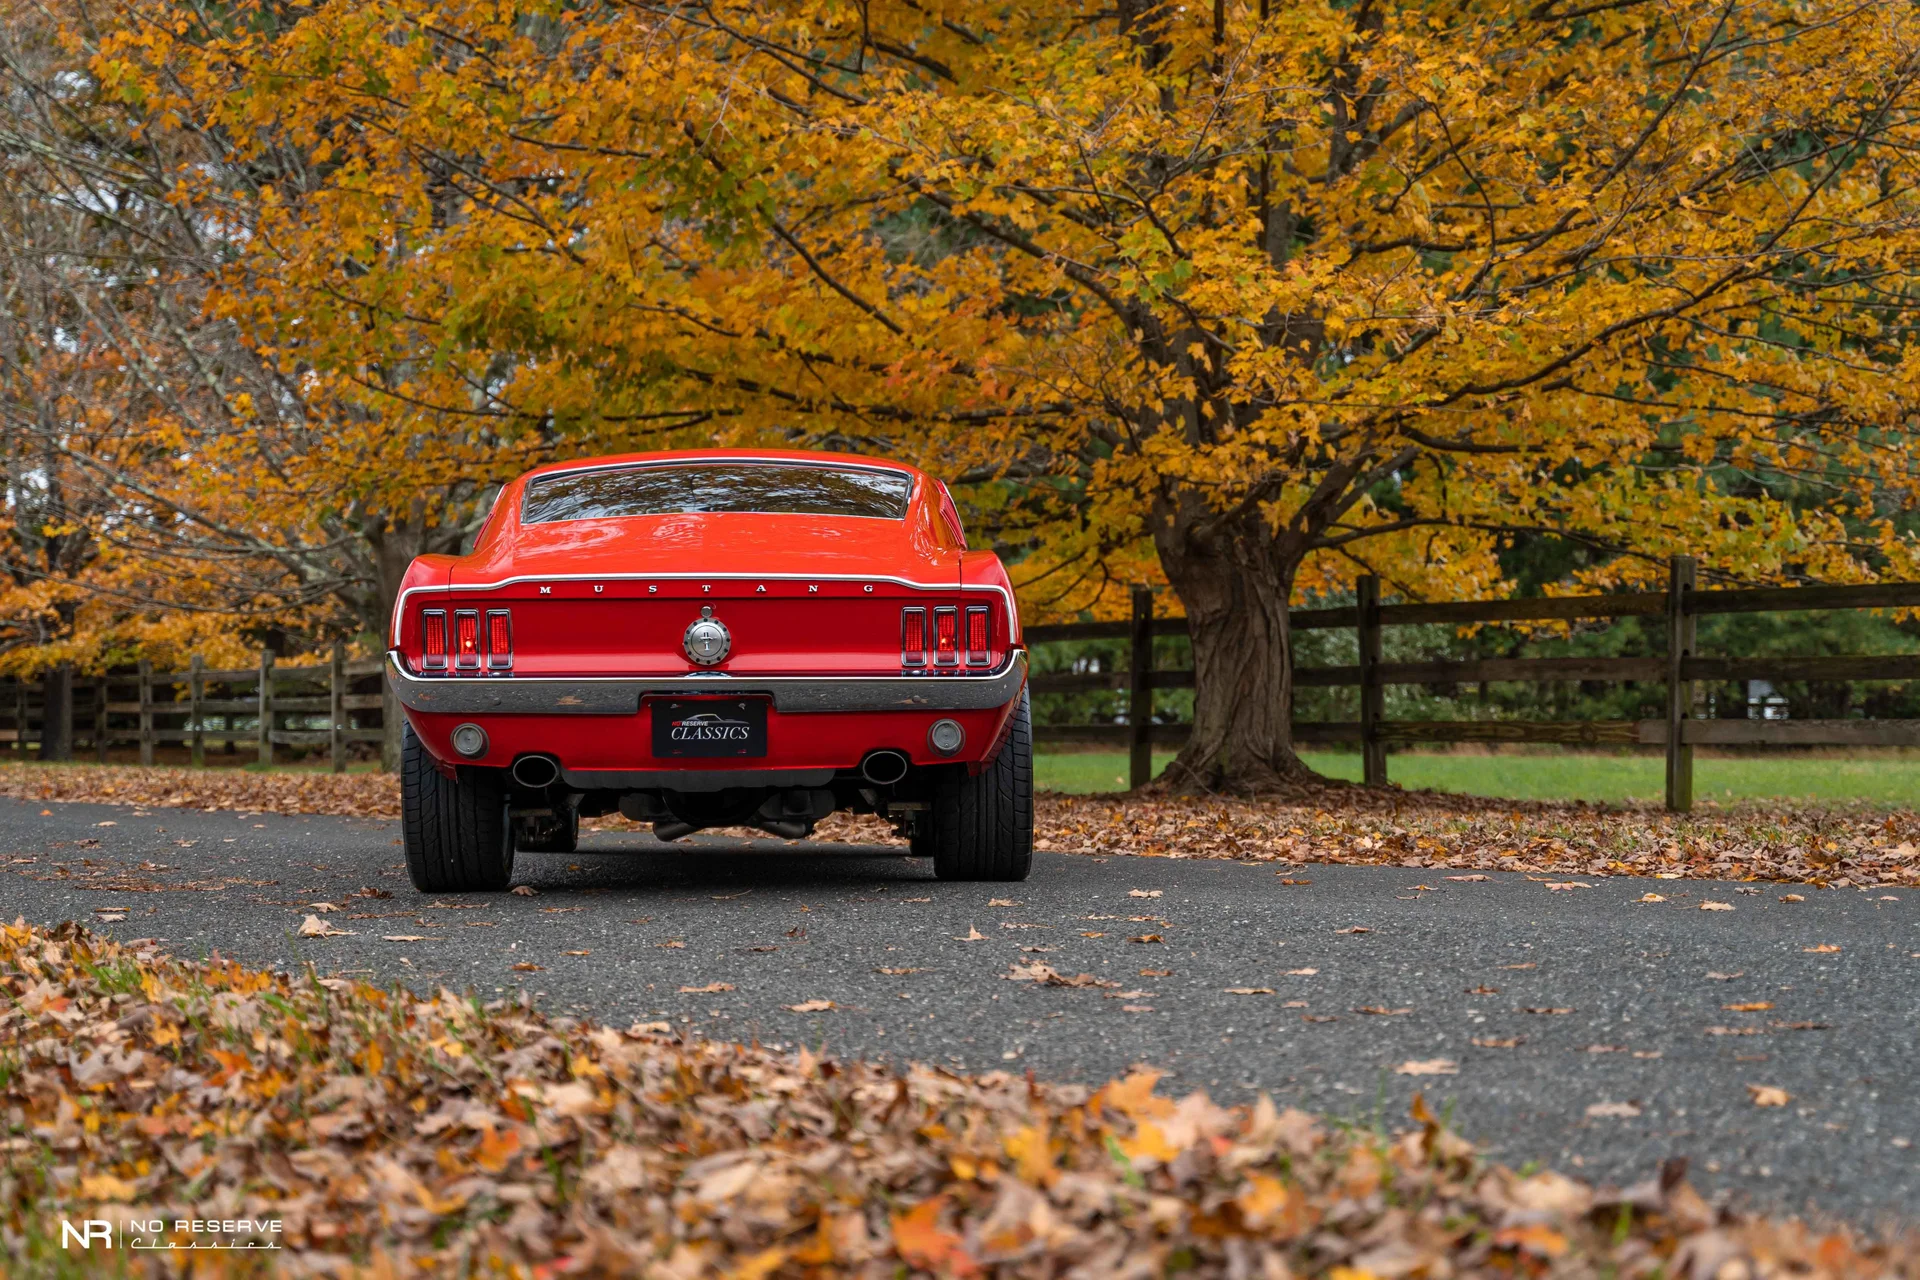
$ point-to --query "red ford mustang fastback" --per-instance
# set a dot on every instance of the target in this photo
(712, 639)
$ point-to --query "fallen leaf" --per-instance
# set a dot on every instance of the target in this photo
(1319, 1017)
(1301, 973)
(1136, 1008)
(315, 927)
(576, 953)
(1793, 897)
(1751, 1006)
(1495, 1042)
(1483, 991)
(1528, 965)
(1147, 937)
(1046, 976)
(1824, 948)
(973, 935)
(1470, 878)
(1727, 977)
(527, 966)
(1766, 1095)
(324, 907)
(899, 973)
(1716, 906)
(671, 945)
(1428, 1067)
(1091, 933)
(409, 937)
(1569, 884)
(808, 1006)
(525, 891)
(1249, 991)
(1613, 1110)
(1736, 1031)
(707, 990)
(109, 917)
(1143, 893)
(1156, 973)
(1544, 1009)
(1002, 902)
(1357, 928)
(1380, 1010)
(1291, 880)
(1651, 897)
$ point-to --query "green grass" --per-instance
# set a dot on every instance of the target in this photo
(1885, 779)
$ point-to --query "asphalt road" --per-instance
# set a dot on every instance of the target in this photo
(1593, 1007)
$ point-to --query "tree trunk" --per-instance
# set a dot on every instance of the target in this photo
(1235, 583)
(56, 713)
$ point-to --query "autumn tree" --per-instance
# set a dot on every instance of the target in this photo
(1267, 292)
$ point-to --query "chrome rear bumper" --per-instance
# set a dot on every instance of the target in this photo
(620, 695)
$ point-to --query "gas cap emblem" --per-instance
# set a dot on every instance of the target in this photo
(707, 640)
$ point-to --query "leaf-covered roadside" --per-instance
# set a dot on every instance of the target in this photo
(1837, 847)
(435, 1135)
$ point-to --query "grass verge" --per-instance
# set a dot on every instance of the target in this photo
(387, 1133)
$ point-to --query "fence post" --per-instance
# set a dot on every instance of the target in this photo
(265, 694)
(1681, 625)
(1373, 702)
(196, 695)
(20, 715)
(337, 707)
(1140, 690)
(146, 712)
(100, 718)
(56, 713)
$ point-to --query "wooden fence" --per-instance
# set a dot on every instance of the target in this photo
(250, 709)
(1680, 670)
(342, 702)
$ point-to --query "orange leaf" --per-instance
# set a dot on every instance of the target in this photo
(922, 1242)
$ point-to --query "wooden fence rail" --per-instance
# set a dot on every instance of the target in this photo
(246, 708)
(1680, 670)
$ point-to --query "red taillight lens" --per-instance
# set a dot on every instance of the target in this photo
(433, 638)
(913, 637)
(466, 639)
(946, 636)
(979, 650)
(499, 639)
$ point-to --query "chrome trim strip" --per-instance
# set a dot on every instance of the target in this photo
(400, 605)
(620, 695)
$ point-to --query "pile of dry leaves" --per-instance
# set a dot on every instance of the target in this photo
(391, 1134)
(1838, 846)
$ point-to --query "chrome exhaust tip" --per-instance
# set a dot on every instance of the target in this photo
(536, 773)
(884, 768)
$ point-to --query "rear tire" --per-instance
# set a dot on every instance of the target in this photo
(457, 835)
(980, 825)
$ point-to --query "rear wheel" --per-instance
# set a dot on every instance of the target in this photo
(457, 836)
(979, 826)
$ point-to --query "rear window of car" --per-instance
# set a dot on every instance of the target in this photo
(721, 488)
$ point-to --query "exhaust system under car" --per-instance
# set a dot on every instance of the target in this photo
(884, 767)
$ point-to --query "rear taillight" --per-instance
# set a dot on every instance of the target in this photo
(466, 640)
(913, 637)
(499, 640)
(433, 639)
(979, 637)
(946, 635)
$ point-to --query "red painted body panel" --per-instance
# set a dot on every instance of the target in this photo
(814, 596)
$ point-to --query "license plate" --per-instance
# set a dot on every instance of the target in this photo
(728, 728)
